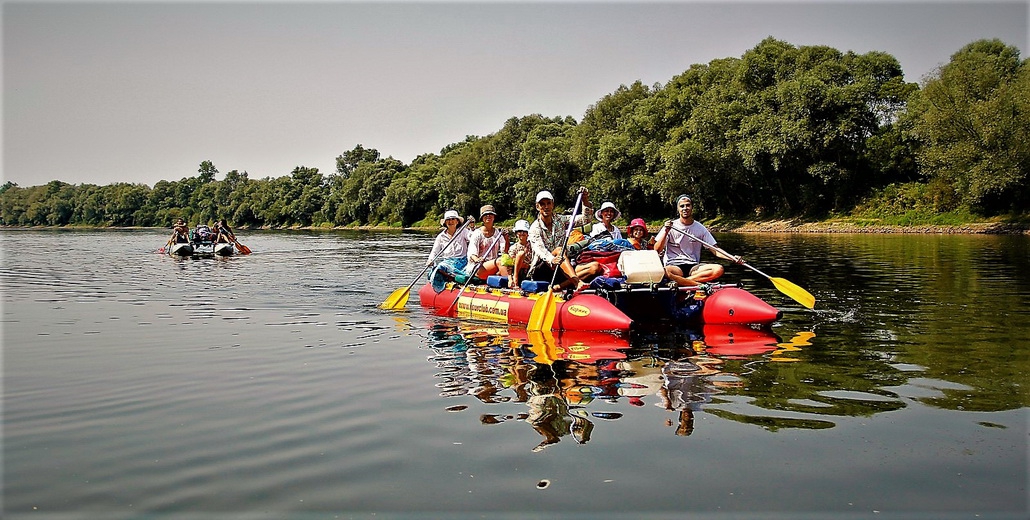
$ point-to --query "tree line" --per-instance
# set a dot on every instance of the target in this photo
(782, 131)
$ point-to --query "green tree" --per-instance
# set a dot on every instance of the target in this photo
(973, 121)
(207, 172)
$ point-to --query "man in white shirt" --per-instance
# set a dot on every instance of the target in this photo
(683, 253)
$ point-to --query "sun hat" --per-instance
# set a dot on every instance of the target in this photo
(544, 195)
(449, 214)
(605, 206)
(521, 225)
(487, 210)
(637, 222)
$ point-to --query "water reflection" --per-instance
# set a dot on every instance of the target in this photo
(566, 385)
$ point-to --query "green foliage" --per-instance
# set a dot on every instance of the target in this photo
(912, 204)
(782, 131)
(973, 122)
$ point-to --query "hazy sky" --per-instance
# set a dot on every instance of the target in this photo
(145, 91)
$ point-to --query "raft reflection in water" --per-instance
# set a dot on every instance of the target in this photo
(560, 380)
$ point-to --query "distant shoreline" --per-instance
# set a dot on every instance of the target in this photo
(774, 226)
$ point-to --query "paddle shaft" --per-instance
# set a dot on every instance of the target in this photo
(785, 286)
(475, 269)
(401, 296)
(544, 310)
(568, 233)
(432, 261)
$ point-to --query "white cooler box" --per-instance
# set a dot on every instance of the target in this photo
(641, 266)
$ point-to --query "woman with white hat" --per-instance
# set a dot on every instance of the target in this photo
(450, 250)
(606, 215)
(457, 248)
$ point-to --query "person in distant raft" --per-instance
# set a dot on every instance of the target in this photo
(682, 253)
(223, 233)
(180, 232)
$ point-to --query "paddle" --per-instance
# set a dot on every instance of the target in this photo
(475, 270)
(244, 250)
(785, 286)
(166, 246)
(399, 298)
(544, 310)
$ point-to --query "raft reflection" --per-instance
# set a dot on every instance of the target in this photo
(560, 380)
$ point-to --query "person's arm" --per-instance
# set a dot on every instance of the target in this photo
(472, 255)
(588, 208)
(663, 235)
(437, 246)
(519, 263)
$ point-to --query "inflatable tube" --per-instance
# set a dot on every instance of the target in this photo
(735, 306)
(584, 312)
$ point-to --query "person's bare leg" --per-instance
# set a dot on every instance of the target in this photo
(676, 274)
(704, 273)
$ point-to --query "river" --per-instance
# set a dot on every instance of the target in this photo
(271, 386)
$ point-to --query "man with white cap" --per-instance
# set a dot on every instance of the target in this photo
(683, 253)
(547, 235)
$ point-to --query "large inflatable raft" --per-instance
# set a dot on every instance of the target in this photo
(605, 310)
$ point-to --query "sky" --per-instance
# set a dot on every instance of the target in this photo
(105, 92)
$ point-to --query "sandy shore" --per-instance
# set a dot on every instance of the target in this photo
(793, 226)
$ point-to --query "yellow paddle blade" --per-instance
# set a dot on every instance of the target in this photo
(543, 313)
(397, 299)
(794, 291)
(543, 347)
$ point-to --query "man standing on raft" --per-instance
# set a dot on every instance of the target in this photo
(683, 253)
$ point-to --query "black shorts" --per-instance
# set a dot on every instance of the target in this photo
(544, 272)
(686, 267)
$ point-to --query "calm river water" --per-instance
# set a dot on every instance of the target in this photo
(270, 386)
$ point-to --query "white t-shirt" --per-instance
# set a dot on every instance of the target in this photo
(682, 249)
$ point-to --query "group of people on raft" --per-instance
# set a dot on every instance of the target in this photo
(463, 251)
(219, 233)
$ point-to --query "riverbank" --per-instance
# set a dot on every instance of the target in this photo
(834, 226)
(795, 226)
(718, 225)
